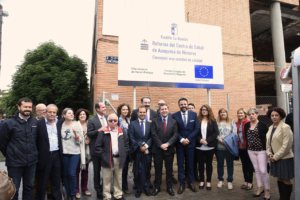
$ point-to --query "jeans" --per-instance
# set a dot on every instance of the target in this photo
(70, 163)
(28, 174)
(221, 154)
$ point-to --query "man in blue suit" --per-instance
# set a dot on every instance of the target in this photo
(139, 133)
(188, 128)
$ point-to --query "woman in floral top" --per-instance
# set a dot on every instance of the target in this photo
(226, 127)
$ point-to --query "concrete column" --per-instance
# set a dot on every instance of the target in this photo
(278, 50)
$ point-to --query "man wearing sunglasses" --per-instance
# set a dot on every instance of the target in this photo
(112, 148)
(139, 133)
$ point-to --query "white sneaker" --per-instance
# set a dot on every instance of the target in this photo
(220, 184)
(229, 186)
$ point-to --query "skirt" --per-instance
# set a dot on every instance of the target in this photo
(283, 168)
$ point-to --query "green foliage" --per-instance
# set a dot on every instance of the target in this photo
(49, 75)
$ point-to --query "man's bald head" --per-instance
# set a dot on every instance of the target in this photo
(40, 111)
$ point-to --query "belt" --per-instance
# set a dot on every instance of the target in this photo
(53, 151)
(116, 156)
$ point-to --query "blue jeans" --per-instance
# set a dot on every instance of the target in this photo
(28, 174)
(221, 154)
(70, 163)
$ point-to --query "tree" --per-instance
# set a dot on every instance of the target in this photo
(49, 75)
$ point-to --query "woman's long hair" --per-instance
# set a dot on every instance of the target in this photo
(210, 116)
(219, 118)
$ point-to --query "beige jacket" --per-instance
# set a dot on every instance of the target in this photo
(281, 143)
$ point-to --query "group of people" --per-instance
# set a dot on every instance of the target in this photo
(45, 150)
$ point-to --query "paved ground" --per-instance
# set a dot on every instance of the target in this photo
(215, 193)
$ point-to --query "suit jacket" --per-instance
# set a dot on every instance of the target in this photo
(134, 116)
(42, 142)
(212, 132)
(282, 142)
(190, 131)
(159, 137)
(93, 126)
(136, 137)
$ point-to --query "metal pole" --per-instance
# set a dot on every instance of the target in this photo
(208, 97)
(296, 111)
(103, 97)
(134, 97)
(287, 103)
(228, 104)
(278, 49)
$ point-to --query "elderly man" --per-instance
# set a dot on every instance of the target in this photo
(95, 125)
(112, 148)
(139, 133)
(40, 111)
(49, 146)
(18, 144)
(164, 135)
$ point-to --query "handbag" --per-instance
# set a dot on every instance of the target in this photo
(7, 187)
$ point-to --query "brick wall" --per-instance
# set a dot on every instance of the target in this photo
(233, 16)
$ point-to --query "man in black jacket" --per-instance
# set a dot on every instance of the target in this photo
(150, 115)
(18, 145)
(95, 125)
(164, 135)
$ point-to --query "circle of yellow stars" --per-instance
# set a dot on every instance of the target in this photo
(204, 75)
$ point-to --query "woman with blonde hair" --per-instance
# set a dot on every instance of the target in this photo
(246, 162)
(256, 132)
(226, 127)
(206, 143)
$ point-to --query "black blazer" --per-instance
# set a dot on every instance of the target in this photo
(134, 116)
(262, 131)
(42, 142)
(212, 133)
(159, 137)
(93, 126)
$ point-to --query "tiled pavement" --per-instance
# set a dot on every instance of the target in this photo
(214, 194)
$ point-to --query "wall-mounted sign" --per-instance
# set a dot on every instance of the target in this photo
(286, 87)
(112, 59)
(115, 97)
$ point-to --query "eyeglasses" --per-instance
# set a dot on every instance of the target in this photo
(113, 120)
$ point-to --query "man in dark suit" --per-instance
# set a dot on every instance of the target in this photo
(139, 133)
(164, 135)
(49, 146)
(95, 125)
(150, 114)
(188, 128)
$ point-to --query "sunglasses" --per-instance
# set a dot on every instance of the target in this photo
(113, 120)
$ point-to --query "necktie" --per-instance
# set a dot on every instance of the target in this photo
(165, 126)
(142, 128)
(184, 119)
(102, 121)
(147, 116)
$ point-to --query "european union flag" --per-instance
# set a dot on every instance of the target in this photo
(204, 71)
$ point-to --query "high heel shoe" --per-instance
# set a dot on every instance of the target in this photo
(201, 187)
(258, 195)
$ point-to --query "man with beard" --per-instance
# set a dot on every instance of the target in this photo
(139, 133)
(150, 115)
(188, 128)
(164, 136)
(40, 111)
(18, 144)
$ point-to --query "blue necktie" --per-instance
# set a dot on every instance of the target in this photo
(147, 116)
(142, 128)
(184, 120)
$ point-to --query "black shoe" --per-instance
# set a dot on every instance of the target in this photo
(174, 181)
(255, 195)
(147, 193)
(99, 195)
(151, 186)
(201, 187)
(49, 196)
(208, 188)
(156, 191)
(73, 197)
(134, 187)
(138, 194)
(170, 191)
(267, 198)
(69, 197)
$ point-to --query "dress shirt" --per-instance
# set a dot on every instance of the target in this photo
(104, 120)
(186, 117)
(148, 113)
(204, 136)
(114, 141)
(165, 118)
(144, 122)
(52, 135)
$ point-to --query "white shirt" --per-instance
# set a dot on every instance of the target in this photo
(105, 122)
(204, 134)
(114, 141)
(148, 113)
(144, 123)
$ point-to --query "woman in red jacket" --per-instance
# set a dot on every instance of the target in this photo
(246, 162)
